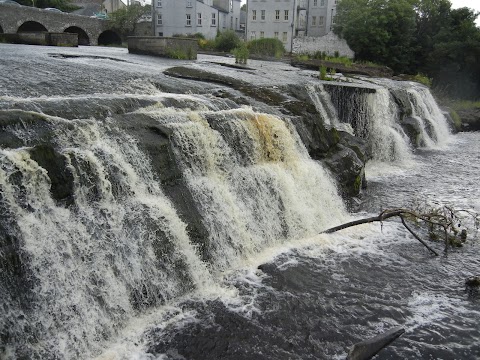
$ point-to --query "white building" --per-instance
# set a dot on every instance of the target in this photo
(188, 17)
(287, 19)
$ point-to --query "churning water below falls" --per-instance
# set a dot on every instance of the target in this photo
(188, 226)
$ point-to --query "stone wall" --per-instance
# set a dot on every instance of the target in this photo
(329, 44)
(41, 38)
(163, 46)
(144, 28)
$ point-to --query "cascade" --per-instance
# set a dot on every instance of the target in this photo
(393, 116)
(323, 103)
(83, 267)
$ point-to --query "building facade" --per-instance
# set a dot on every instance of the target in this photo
(288, 19)
(188, 17)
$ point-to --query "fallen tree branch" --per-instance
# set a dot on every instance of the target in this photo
(416, 236)
(444, 218)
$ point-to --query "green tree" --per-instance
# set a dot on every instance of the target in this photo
(454, 59)
(227, 41)
(416, 36)
(382, 31)
(125, 19)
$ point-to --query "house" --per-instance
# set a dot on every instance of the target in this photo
(188, 17)
(289, 19)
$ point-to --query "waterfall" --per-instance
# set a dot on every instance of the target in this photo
(381, 113)
(323, 103)
(253, 180)
(387, 140)
(425, 110)
(120, 247)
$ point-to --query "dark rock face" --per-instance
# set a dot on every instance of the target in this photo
(470, 119)
(413, 131)
(155, 140)
(56, 165)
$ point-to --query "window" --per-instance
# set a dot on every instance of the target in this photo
(199, 19)
(231, 6)
(189, 20)
(189, 3)
(334, 19)
(231, 22)
(314, 21)
(322, 2)
(286, 15)
(262, 16)
(159, 20)
(277, 14)
(275, 35)
(284, 37)
(254, 15)
(159, 3)
(253, 35)
(262, 34)
(321, 20)
(160, 34)
(214, 19)
(315, 2)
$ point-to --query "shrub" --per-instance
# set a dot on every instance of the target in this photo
(422, 79)
(241, 54)
(323, 73)
(227, 41)
(267, 47)
(303, 57)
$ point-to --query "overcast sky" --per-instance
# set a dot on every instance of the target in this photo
(472, 4)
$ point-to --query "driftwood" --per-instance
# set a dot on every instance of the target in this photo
(369, 348)
(444, 219)
(384, 215)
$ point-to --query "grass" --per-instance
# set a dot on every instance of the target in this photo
(465, 105)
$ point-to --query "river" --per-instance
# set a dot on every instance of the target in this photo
(111, 272)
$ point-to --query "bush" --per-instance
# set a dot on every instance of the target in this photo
(241, 54)
(422, 79)
(323, 73)
(227, 41)
(267, 47)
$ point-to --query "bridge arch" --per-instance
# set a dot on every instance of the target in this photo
(109, 37)
(31, 26)
(83, 38)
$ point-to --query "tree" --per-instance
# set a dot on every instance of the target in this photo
(454, 57)
(381, 31)
(416, 36)
(125, 19)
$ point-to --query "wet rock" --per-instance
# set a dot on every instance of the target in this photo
(470, 119)
(368, 349)
(413, 131)
(347, 168)
(155, 140)
(61, 178)
(473, 281)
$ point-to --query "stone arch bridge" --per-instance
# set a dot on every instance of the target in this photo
(91, 31)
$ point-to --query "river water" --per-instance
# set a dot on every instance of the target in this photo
(271, 288)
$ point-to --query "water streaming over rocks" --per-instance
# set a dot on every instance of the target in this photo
(156, 220)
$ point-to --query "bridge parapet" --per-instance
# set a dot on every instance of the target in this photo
(12, 18)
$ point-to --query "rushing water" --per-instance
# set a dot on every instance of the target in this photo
(115, 274)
